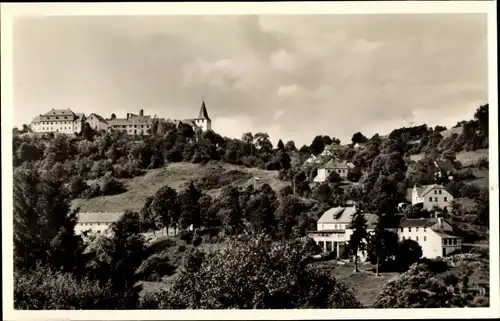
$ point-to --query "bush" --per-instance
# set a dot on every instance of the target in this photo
(186, 236)
(155, 267)
(111, 186)
(254, 274)
(46, 289)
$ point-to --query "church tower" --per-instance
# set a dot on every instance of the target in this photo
(203, 121)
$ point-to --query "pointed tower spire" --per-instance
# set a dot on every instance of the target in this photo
(203, 111)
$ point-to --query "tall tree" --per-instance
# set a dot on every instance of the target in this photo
(318, 145)
(43, 222)
(281, 145)
(190, 207)
(359, 237)
(165, 208)
(290, 146)
(359, 138)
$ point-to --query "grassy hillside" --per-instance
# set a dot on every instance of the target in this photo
(177, 175)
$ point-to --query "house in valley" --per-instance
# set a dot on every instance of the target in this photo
(341, 168)
(97, 222)
(429, 196)
(434, 235)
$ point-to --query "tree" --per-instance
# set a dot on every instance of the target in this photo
(290, 146)
(43, 222)
(408, 252)
(88, 132)
(45, 288)
(77, 186)
(287, 215)
(165, 208)
(125, 253)
(190, 207)
(281, 145)
(255, 274)
(334, 177)
(359, 236)
(382, 246)
(359, 138)
(417, 288)
(318, 145)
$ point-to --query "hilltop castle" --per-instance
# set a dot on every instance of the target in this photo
(67, 122)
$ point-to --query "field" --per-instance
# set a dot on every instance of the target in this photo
(176, 175)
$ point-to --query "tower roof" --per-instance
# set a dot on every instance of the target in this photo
(203, 111)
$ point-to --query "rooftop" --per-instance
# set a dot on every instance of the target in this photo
(338, 215)
(99, 217)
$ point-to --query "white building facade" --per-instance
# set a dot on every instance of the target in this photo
(434, 235)
(431, 195)
(96, 222)
(62, 121)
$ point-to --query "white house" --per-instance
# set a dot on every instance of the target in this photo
(97, 122)
(429, 196)
(341, 168)
(334, 229)
(133, 124)
(96, 221)
(62, 121)
(434, 235)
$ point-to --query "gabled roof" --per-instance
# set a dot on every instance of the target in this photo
(99, 217)
(99, 117)
(334, 164)
(446, 234)
(203, 111)
(59, 112)
(371, 220)
(427, 188)
(338, 215)
(418, 222)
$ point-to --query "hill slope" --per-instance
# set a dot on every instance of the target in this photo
(177, 175)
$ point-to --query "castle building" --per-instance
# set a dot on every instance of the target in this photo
(58, 121)
(202, 121)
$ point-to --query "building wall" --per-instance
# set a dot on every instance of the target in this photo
(61, 126)
(133, 129)
(440, 200)
(95, 227)
(96, 123)
(423, 236)
(204, 124)
(331, 226)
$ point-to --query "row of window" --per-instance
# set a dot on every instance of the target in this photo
(132, 126)
(416, 239)
(55, 122)
(87, 224)
(436, 199)
(438, 191)
(416, 229)
(450, 241)
(57, 129)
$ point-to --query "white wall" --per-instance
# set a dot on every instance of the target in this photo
(95, 227)
(437, 199)
(64, 126)
(96, 124)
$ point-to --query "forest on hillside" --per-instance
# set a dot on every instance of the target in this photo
(264, 230)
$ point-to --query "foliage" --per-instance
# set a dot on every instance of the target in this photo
(254, 273)
(44, 288)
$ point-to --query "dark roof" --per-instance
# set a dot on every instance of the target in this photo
(98, 117)
(203, 111)
(443, 233)
(328, 231)
(418, 222)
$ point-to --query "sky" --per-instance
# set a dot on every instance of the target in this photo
(293, 77)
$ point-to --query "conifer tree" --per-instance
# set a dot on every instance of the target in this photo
(359, 236)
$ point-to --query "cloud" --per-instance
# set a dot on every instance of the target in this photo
(292, 76)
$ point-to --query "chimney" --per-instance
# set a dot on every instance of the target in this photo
(128, 115)
(141, 112)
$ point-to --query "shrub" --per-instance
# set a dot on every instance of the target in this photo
(155, 267)
(111, 186)
(46, 289)
(254, 274)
